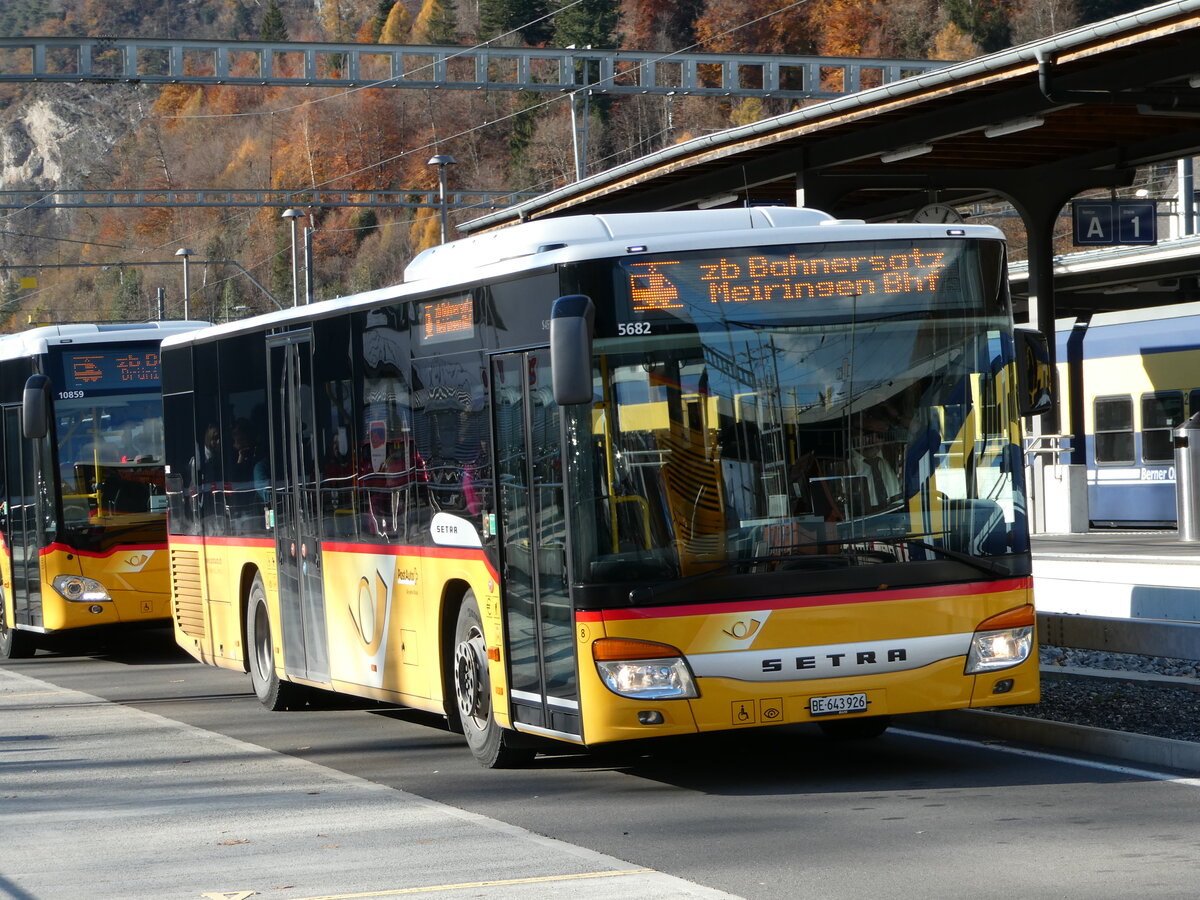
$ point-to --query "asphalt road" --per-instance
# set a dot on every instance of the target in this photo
(775, 813)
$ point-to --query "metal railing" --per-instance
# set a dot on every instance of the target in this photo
(1144, 637)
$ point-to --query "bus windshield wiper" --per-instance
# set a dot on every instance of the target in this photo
(983, 564)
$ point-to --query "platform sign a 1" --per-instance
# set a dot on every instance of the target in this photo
(1100, 223)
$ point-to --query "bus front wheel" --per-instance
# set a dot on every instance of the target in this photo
(271, 692)
(492, 745)
(13, 644)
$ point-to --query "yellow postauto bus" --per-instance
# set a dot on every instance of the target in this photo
(613, 477)
(82, 503)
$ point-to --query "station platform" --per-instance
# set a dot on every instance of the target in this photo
(1117, 574)
(104, 800)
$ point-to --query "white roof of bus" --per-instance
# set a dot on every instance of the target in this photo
(532, 245)
(36, 340)
(606, 235)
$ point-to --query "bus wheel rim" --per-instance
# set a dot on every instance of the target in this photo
(262, 643)
(469, 677)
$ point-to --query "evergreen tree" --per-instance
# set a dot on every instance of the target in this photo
(436, 23)
(590, 23)
(127, 304)
(526, 17)
(382, 11)
(984, 21)
(281, 266)
(524, 126)
(273, 28)
(364, 222)
(11, 293)
(242, 27)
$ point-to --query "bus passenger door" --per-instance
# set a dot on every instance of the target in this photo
(297, 507)
(21, 522)
(532, 522)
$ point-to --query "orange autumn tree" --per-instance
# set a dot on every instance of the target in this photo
(753, 26)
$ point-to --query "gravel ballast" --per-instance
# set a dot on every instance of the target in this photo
(1139, 694)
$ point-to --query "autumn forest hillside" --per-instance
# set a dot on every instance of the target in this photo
(189, 137)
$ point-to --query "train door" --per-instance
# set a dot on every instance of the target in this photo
(21, 532)
(540, 625)
(297, 508)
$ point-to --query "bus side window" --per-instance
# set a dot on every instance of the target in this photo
(181, 452)
(1114, 430)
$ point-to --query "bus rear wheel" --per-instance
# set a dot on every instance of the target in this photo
(862, 729)
(14, 644)
(260, 648)
(493, 746)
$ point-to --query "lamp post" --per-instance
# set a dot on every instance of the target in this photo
(441, 161)
(185, 252)
(292, 215)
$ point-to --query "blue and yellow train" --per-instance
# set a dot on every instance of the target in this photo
(1138, 373)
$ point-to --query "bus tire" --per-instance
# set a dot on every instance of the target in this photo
(260, 653)
(14, 644)
(493, 746)
(860, 729)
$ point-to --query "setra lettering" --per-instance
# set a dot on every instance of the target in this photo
(864, 658)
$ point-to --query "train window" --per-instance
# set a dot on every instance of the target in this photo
(1161, 413)
(1114, 430)
(1194, 401)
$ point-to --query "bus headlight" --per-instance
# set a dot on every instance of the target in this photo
(78, 589)
(644, 670)
(1002, 641)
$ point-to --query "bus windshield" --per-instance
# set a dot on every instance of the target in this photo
(801, 408)
(110, 461)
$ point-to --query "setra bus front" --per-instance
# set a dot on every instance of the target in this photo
(795, 484)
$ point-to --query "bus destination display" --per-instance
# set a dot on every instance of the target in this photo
(91, 371)
(446, 320)
(783, 275)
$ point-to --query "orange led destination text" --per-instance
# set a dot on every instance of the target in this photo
(138, 367)
(447, 317)
(766, 278)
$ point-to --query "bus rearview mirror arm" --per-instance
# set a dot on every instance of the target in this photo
(35, 406)
(572, 320)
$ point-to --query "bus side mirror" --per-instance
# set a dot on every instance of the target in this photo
(572, 319)
(35, 407)
(1035, 378)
